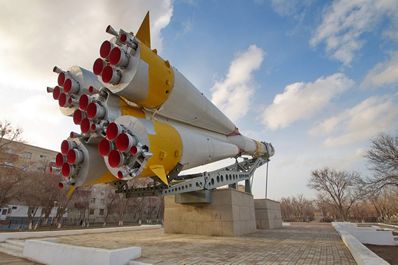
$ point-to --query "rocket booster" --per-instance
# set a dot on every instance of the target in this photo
(140, 117)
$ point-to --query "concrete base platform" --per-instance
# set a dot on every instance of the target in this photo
(230, 213)
(268, 214)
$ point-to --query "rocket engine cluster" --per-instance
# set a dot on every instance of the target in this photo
(139, 117)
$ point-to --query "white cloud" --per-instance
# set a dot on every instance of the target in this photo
(295, 8)
(45, 33)
(303, 100)
(361, 122)
(382, 74)
(345, 21)
(232, 95)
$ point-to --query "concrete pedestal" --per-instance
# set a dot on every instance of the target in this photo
(230, 213)
(268, 214)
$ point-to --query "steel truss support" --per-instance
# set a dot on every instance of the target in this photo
(229, 175)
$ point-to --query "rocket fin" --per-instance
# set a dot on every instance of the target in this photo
(160, 172)
(144, 32)
(70, 192)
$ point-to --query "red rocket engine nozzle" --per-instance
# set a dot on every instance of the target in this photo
(125, 141)
(85, 126)
(60, 159)
(98, 66)
(84, 100)
(75, 156)
(78, 116)
(66, 145)
(115, 159)
(113, 130)
(95, 111)
(105, 147)
(111, 75)
(67, 170)
(71, 86)
(118, 57)
(106, 48)
(56, 92)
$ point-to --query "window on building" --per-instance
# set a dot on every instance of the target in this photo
(4, 212)
(91, 211)
(101, 212)
(26, 155)
(92, 200)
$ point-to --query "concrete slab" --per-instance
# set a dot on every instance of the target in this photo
(53, 253)
(42, 234)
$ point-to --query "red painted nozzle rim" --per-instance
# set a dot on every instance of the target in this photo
(124, 142)
(62, 100)
(95, 110)
(74, 156)
(105, 48)
(78, 116)
(98, 66)
(133, 150)
(61, 185)
(115, 159)
(110, 75)
(93, 127)
(115, 56)
(120, 174)
(123, 37)
(56, 92)
(85, 125)
(84, 100)
(112, 131)
(92, 90)
(66, 145)
(61, 79)
(59, 160)
(65, 170)
(67, 85)
(104, 147)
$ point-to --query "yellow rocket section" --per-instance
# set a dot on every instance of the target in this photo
(166, 147)
(144, 32)
(160, 74)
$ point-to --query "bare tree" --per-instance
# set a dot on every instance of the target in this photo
(340, 188)
(297, 209)
(8, 134)
(383, 159)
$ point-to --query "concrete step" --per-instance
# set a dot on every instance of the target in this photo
(11, 247)
(10, 251)
(20, 243)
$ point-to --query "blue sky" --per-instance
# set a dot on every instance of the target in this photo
(317, 79)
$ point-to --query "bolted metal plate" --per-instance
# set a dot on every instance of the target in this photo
(202, 196)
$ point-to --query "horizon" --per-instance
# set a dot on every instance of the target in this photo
(318, 80)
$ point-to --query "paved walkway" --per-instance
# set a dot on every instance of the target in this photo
(297, 244)
(11, 260)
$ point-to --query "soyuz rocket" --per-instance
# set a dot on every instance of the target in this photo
(139, 117)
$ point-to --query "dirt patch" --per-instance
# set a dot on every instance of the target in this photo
(388, 253)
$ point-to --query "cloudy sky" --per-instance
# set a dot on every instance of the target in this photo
(318, 79)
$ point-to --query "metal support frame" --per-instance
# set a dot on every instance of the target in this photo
(229, 175)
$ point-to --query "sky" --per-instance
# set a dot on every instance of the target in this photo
(317, 79)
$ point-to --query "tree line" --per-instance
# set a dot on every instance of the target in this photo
(347, 196)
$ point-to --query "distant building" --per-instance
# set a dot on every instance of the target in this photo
(25, 156)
